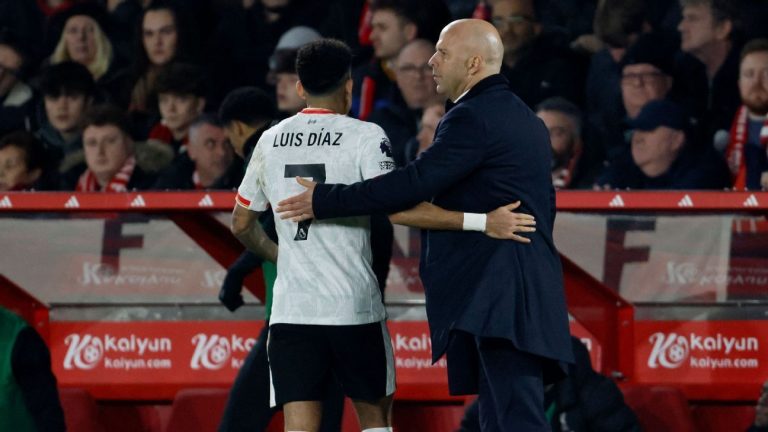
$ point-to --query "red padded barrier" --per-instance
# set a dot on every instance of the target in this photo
(659, 408)
(81, 413)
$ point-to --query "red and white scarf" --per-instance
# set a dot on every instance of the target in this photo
(562, 176)
(118, 183)
(734, 154)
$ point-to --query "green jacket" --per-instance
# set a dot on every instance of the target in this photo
(14, 414)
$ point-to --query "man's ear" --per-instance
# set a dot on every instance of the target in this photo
(300, 90)
(724, 29)
(200, 105)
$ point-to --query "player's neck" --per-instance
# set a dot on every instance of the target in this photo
(330, 104)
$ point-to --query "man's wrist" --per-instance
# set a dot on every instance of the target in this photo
(474, 222)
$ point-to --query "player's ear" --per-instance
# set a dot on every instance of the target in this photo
(300, 90)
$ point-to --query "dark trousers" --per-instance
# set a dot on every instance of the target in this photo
(511, 388)
(248, 408)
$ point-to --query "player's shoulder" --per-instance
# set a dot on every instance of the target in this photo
(363, 127)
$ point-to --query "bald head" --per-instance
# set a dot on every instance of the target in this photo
(468, 51)
(478, 38)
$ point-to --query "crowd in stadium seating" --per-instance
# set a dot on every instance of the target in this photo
(591, 69)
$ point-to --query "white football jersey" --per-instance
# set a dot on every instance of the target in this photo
(324, 271)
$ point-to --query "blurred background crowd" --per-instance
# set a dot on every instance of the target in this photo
(111, 95)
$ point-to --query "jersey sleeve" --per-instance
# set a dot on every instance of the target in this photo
(375, 153)
(251, 194)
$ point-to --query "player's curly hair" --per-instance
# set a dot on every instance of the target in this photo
(323, 66)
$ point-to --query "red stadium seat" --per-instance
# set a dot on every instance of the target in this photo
(659, 408)
(197, 410)
(80, 410)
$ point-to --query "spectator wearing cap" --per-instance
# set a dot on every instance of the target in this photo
(282, 67)
(394, 23)
(208, 163)
(111, 162)
(660, 156)
(68, 91)
(82, 38)
(710, 63)
(181, 99)
(16, 97)
(537, 64)
(748, 142)
(23, 165)
(563, 120)
(400, 117)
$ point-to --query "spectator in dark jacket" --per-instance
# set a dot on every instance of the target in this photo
(394, 24)
(570, 164)
(661, 157)
(400, 117)
(710, 64)
(68, 91)
(585, 401)
(181, 99)
(16, 97)
(208, 163)
(538, 65)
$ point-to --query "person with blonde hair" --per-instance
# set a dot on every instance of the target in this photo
(84, 40)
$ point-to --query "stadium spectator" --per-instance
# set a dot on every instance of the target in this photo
(413, 76)
(394, 23)
(282, 67)
(585, 401)
(646, 74)
(710, 64)
(68, 91)
(83, 39)
(746, 152)
(16, 97)
(30, 399)
(23, 165)
(536, 63)
(181, 99)
(163, 37)
(423, 140)
(570, 168)
(661, 156)
(110, 158)
(208, 163)
(618, 24)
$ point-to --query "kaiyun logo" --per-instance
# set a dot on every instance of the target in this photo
(669, 351)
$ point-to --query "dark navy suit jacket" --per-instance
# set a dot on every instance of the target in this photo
(489, 150)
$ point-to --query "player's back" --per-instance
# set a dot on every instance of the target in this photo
(324, 267)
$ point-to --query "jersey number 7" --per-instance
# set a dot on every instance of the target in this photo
(317, 173)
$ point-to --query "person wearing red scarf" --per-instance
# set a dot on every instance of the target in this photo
(109, 156)
(746, 151)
